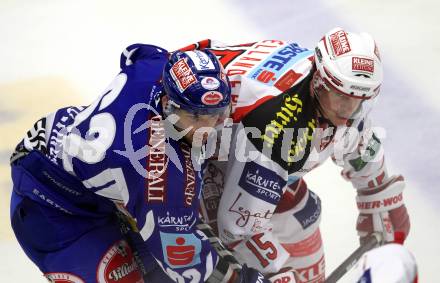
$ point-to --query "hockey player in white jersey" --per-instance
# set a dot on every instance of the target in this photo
(293, 109)
(391, 263)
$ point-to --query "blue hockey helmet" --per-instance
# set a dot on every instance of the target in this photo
(195, 81)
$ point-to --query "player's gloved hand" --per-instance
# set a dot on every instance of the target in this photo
(251, 275)
(382, 210)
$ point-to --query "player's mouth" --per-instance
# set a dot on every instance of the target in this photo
(342, 117)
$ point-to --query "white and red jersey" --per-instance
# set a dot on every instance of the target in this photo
(391, 263)
(277, 138)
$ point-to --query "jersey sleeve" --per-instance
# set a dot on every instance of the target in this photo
(363, 163)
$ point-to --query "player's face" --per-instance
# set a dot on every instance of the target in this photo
(337, 107)
(199, 126)
(193, 122)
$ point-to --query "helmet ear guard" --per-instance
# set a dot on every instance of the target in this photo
(350, 63)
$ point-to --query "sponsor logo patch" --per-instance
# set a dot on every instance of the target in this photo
(240, 208)
(182, 75)
(310, 212)
(360, 88)
(210, 83)
(339, 43)
(156, 162)
(212, 98)
(393, 200)
(119, 265)
(45, 199)
(201, 60)
(313, 273)
(362, 64)
(190, 179)
(287, 80)
(180, 250)
(272, 69)
(63, 277)
(180, 222)
(262, 182)
(286, 277)
(266, 76)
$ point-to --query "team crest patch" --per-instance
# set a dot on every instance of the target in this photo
(119, 265)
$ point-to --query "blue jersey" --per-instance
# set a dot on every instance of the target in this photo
(121, 151)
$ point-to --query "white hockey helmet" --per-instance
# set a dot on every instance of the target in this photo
(350, 63)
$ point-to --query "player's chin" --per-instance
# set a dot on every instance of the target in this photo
(338, 120)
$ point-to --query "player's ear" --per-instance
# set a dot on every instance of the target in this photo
(164, 101)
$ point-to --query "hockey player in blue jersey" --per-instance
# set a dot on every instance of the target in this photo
(81, 172)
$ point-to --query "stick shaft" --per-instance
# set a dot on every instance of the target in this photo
(371, 242)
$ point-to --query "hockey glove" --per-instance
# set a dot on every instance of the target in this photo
(382, 210)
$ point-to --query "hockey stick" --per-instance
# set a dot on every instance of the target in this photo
(370, 243)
